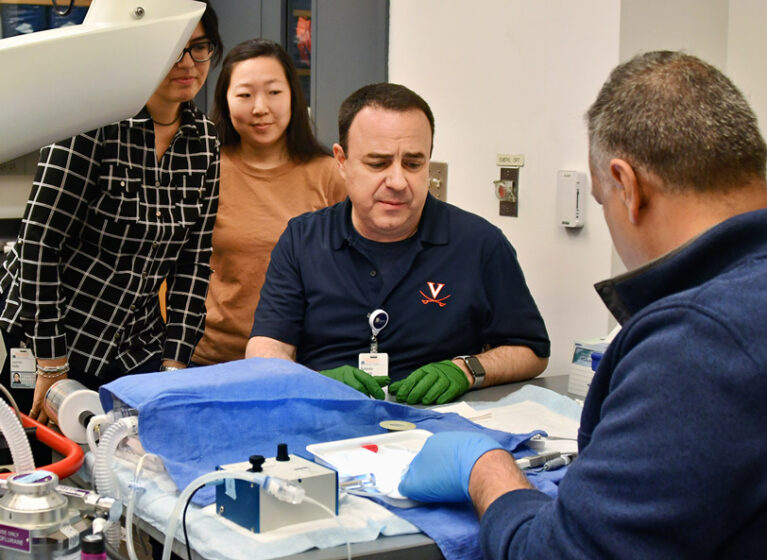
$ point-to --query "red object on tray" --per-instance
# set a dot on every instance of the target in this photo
(72, 452)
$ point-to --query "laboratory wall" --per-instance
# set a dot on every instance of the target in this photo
(514, 76)
(747, 52)
(15, 183)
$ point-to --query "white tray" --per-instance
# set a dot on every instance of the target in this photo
(386, 456)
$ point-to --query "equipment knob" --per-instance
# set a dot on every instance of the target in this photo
(282, 452)
(256, 461)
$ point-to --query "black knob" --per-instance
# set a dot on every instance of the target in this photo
(92, 544)
(256, 461)
(282, 452)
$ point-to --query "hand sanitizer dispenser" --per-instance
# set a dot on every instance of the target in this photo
(571, 193)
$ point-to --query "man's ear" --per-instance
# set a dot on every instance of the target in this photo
(340, 157)
(629, 187)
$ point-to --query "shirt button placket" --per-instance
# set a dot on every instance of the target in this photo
(158, 214)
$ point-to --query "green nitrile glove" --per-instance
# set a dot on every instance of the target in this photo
(439, 381)
(358, 379)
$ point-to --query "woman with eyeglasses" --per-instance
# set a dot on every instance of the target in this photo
(272, 168)
(112, 213)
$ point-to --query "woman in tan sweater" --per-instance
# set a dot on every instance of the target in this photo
(272, 168)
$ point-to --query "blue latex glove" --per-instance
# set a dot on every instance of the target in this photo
(439, 381)
(358, 379)
(440, 472)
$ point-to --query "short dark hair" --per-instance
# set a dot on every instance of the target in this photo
(301, 142)
(679, 118)
(394, 97)
(209, 22)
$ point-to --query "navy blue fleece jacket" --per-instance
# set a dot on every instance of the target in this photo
(673, 451)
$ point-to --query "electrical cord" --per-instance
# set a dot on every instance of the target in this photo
(66, 11)
(183, 522)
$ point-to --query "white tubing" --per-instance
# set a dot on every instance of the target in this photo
(105, 482)
(98, 422)
(174, 520)
(17, 440)
(326, 509)
(90, 431)
(134, 491)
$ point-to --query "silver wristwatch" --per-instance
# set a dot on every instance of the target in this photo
(475, 369)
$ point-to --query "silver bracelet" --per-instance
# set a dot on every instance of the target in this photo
(58, 372)
(169, 368)
(54, 369)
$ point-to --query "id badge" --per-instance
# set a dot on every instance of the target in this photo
(23, 368)
(374, 364)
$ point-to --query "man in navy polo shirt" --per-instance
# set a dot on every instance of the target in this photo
(393, 281)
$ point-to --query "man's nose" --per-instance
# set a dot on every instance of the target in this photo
(396, 178)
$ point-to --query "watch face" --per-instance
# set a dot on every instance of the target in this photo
(474, 366)
(476, 369)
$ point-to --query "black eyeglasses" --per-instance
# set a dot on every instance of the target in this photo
(200, 52)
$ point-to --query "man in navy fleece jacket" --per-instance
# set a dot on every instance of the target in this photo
(673, 452)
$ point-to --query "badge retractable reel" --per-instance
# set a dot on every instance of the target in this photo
(375, 362)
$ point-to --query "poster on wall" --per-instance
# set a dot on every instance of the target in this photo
(299, 43)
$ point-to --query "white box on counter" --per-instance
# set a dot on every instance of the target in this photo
(580, 368)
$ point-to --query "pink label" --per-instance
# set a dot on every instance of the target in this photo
(14, 538)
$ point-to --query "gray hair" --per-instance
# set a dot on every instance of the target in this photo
(679, 118)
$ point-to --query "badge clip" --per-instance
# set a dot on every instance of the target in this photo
(377, 320)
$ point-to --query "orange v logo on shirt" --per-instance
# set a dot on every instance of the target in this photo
(435, 289)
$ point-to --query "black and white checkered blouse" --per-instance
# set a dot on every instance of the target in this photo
(105, 224)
